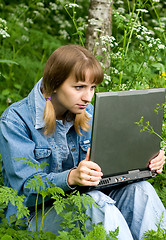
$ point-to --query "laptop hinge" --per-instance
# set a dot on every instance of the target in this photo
(134, 171)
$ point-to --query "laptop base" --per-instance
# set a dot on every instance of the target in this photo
(126, 178)
(112, 181)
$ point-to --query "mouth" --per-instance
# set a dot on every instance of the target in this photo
(82, 106)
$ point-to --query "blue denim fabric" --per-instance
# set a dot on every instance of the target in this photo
(21, 135)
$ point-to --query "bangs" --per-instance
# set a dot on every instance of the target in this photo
(94, 69)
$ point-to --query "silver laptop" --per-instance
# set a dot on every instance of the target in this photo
(118, 146)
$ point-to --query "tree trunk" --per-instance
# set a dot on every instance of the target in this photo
(99, 29)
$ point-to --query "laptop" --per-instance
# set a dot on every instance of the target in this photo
(118, 146)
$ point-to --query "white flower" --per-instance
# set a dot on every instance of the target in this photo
(36, 12)
(53, 6)
(25, 38)
(150, 45)
(122, 10)
(159, 29)
(71, 5)
(29, 20)
(106, 82)
(95, 22)
(40, 4)
(3, 33)
(2, 21)
(142, 10)
(107, 77)
(140, 37)
(161, 46)
(64, 34)
(119, 2)
(104, 49)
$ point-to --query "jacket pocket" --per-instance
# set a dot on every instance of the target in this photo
(41, 153)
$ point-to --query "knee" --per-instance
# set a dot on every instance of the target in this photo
(143, 188)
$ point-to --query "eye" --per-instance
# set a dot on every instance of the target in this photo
(78, 87)
(93, 87)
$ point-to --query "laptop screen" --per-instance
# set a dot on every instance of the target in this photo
(117, 145)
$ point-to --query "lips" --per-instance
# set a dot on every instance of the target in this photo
(82, 106)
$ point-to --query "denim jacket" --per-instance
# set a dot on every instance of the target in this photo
(21, 135)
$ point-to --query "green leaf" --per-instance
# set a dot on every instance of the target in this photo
(8, 61)
(6, 237)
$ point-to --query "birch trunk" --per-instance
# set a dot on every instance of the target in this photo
(99, 29)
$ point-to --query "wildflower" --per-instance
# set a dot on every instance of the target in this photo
(150, 45)
(142, 10)
(161, 46)
(104, 49)
(8, 100)
(36, 13)
(163, 74)
(3, 33)
(40, 4)
(140, 37)
(29, 20)
(71, 5)
(122, 10)
(107, 77)
(119, 2)
(106, 82)
(95, 22)
(25, 38)
(53, 6)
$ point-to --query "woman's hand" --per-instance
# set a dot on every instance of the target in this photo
(158, 162)
(87, 173)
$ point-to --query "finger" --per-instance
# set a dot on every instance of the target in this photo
(89, 165)
(159, 170)
(158, 162)
(158, 157)
(89, 182)
(93, 178)
(94, 173)
(88, 155)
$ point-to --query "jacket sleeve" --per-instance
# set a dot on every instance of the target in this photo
(15, 142)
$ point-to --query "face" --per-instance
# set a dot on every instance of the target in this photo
(73, 96)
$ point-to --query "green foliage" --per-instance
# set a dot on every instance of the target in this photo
(71, 207)
(136, 47)
(10, 195)
(30, 32)
(159, 182)
(160, 234)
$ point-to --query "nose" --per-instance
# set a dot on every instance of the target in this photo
(87, 96)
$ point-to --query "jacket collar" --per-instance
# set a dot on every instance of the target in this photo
(37, 102)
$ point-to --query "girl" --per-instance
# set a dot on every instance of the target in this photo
(53, 124)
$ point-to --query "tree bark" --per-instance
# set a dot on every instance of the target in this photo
(99, 25)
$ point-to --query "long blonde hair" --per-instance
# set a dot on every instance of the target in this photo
(64, 61)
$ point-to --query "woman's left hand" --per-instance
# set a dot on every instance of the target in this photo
(158, 162)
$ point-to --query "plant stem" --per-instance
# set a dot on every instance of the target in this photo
(74, 22)
(36, 211)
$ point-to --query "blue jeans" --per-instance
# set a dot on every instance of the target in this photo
(135, 208)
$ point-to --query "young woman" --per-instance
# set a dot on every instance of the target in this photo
(53, 124)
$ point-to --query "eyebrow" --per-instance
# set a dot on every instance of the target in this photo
(84, 83)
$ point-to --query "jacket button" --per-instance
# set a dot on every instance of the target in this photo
(73, 149)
